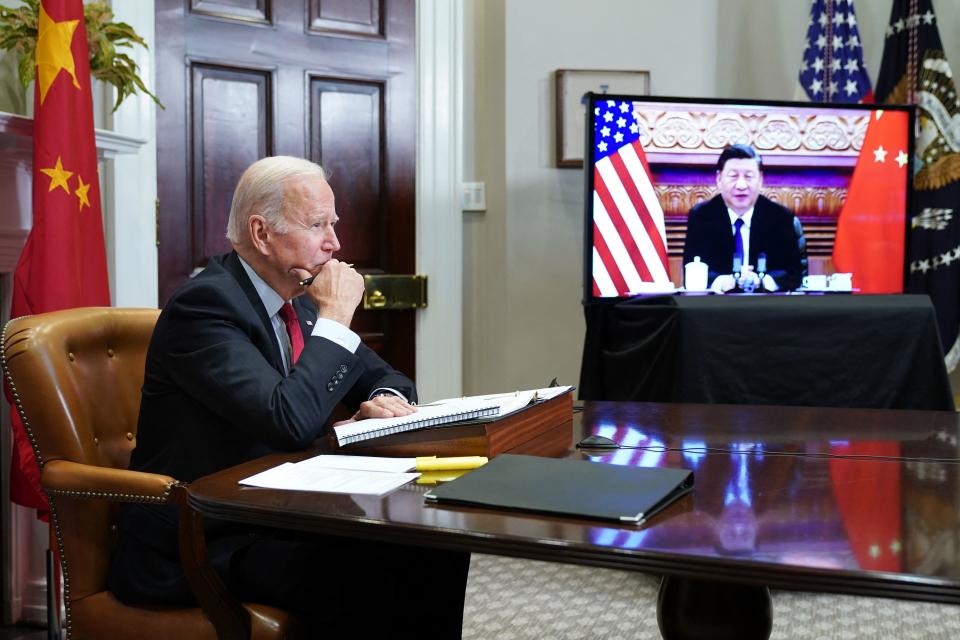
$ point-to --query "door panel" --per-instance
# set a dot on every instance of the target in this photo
(360, 17)
(230, 128)
(347, 140)
(245, 10)
(330, 80)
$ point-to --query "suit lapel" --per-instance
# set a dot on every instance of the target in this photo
(724, 230)
(758, 230)
(306, 315)
(232, 264)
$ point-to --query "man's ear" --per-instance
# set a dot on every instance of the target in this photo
(260, 234)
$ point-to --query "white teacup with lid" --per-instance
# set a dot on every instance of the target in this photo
(695, 275)
(840, 282)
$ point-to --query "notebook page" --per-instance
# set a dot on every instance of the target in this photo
(424, 416)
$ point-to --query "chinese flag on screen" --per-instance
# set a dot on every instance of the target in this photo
(63, 263)
(871, 228)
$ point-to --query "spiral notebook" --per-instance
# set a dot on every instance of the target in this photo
(426, 416)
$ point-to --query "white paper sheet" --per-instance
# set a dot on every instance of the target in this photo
(511, 400)
(292, 477)
(359, 463)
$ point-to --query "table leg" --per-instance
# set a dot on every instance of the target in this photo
(689, 609)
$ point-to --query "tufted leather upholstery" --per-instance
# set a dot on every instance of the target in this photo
(76, 376)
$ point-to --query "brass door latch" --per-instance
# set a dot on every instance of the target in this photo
(389, 292)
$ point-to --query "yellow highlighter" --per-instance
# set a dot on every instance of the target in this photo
(436, 477)
(433, 463)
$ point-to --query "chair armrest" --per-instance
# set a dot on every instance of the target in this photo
(66, 478)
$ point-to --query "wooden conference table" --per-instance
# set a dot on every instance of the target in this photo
(854, 501)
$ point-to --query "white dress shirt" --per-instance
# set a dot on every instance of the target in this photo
(768, 282)
(322, 327)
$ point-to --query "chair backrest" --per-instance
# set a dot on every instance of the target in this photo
(801, 246)
(76, 377)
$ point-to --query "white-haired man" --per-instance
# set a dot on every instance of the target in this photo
(244, 361)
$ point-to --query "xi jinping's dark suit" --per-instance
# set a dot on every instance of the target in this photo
(774, 230)
(215, 395)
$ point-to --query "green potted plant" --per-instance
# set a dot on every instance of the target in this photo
(18, 33)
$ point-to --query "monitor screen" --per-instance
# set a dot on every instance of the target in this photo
(805, 197)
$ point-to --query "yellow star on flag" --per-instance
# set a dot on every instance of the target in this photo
(58, 177)
(53, 51)
(81, 193)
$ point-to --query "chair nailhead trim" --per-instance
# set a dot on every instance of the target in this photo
(114, 496)
(67, 493)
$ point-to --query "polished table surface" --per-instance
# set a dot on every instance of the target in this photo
(840, 500)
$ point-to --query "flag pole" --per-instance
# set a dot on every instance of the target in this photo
(53, 586)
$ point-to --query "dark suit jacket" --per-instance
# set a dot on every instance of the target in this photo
(774, 230)
(215, 395)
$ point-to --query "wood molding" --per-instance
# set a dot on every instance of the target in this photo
(812, 202)
(11, 243)
(776, 133)
(439, 174)
(109, 143)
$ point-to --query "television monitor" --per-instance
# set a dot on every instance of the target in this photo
(842, 171)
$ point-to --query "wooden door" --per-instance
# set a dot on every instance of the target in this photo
(329, 80)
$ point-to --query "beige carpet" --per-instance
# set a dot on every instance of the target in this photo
(509, 599)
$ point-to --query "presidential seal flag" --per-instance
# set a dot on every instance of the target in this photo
(63, 263)
(915, 70)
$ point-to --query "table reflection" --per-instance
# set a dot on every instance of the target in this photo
(843, 504)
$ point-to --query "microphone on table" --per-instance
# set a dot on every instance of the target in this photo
(761, 268)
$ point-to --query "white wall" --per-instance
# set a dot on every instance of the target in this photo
(760, 45)
(523, 321)
(523, 258)
(131, 223)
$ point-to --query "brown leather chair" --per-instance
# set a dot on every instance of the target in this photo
(75, 377)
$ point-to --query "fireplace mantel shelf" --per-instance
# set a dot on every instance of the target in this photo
(16, 156)
(109, 144)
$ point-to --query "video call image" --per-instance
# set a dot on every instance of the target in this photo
(776, 197)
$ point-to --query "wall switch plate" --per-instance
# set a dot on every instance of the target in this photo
(474, 197)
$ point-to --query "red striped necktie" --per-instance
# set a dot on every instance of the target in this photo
(289, 316)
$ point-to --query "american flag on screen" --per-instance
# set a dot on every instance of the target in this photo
(832, 68)
(629, 239)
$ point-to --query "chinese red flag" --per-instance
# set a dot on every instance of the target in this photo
(868, 498)
(63, 263)
(872, 224)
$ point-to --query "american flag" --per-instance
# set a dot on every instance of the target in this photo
(832, 69)
(629, 238)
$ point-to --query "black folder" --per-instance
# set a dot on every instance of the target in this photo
(567, 487)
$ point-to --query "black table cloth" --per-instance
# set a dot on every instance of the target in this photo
(869, 351)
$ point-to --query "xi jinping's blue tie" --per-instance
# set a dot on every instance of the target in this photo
(737, 245)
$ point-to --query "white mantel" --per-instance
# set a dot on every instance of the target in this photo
(109, 144)
(16, 155)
